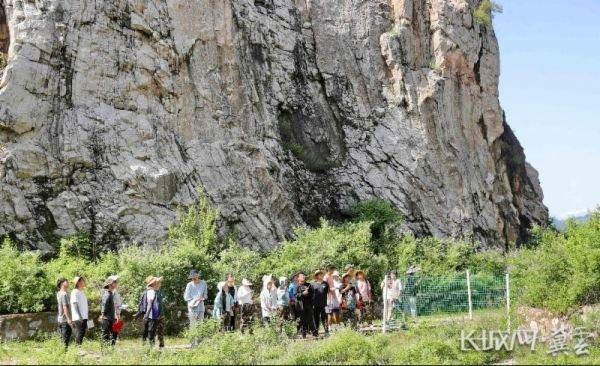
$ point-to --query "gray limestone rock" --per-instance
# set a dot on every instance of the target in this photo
(112, 113)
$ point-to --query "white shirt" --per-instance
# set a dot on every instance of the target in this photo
(150, 295)
(244, 295)
(266, 304)
(78, 297)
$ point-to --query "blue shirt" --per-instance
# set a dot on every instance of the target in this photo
(292, 291)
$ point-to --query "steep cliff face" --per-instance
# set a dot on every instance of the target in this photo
(112, 113)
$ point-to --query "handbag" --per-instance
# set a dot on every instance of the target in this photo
(117, 326)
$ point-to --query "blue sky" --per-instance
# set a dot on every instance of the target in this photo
(550, 90)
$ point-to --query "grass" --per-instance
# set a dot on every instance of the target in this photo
(433, 340)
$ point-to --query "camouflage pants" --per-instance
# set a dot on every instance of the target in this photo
(350, 318)
(247, 317)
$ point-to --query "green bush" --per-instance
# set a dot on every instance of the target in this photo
(384, 219)
(484, 12)
(447, 256)
(329, 244)
(563, 271)
(23, 283)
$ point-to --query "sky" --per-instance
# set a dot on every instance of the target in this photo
(550, 90)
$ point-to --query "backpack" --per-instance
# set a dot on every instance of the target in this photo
(142, 306)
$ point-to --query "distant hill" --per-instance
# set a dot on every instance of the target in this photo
(561, 224)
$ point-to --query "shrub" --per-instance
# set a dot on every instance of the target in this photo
(563, 271)
(447, 256)
(80, 246)
(384, 219)
(23, 283)
(198, 226)
(329, 244)
(484, 12)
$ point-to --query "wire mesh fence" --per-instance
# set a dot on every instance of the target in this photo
(416, 295)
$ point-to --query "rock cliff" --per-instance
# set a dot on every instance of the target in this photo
(112, 113)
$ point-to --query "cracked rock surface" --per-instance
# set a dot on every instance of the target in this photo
(112, 113)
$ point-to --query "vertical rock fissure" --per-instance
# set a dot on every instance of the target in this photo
(4, 36)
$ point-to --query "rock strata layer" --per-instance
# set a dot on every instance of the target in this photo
(113, 113)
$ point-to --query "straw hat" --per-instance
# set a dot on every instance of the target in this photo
(245, 282)
(412, 270)
(151, 280)
(318, 272)
(110, 280)
(76, 280)
(360, 272)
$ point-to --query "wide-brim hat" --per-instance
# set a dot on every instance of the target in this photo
(150, 282)
(193, 274)
(346, 275)
(110, 280)
(245, 282)
(412, 270)
(318, 272)
(360, 272)
(77, 279)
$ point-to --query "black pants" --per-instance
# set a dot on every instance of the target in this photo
(321, 317)
(307, 321)
(156, 330)
(65, 331)
(108, 336)
(229, 322)
(79, 328)
(145, 333)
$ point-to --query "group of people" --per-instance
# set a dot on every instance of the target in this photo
(330, 301)
(73, 310)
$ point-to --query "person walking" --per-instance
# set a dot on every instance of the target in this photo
(365, 296)
(65, 324)
(246, 304)
(154, 314)
(196, 292)
(267, 305)
(320, 291)
(108, 312)
(349, 299)
(79, 310)
(304, 306)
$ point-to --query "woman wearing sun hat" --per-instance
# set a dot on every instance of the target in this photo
(108, 312)
(155, 312)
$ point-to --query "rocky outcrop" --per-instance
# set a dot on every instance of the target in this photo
(112, 113)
